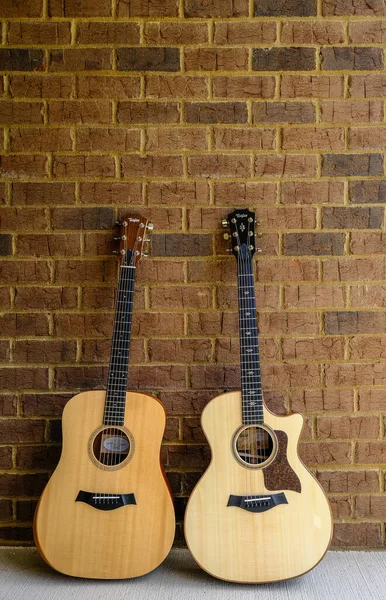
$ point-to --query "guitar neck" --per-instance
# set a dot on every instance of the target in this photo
(114, 413)
(251, 390)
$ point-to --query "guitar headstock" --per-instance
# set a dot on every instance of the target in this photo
(241, 223)
(135, 231)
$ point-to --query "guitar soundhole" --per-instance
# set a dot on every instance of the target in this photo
(111, 446)
(254, 445)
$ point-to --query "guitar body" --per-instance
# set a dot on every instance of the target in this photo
(83, 540)
(238, 545)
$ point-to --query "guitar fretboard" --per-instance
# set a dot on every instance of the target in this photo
(251, 390)
(120, 349)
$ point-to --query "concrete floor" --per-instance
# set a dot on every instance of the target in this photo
(340, 576)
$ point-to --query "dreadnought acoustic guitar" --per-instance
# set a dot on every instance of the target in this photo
(257, 514)
(107, 511)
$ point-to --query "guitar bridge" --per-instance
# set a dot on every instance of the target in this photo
(260, 503)
(105, 501)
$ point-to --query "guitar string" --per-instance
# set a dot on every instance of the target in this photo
(125, 286)
(244, 360)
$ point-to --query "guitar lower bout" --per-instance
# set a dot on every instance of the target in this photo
(262, 521)
(107, 512)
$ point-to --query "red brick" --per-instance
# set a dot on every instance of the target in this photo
(15, 484)
(244, 32)
(314, 296)
(76, 112)
(212, 271)
(270, 269)
(367, 348)
(58, 244)
(313, 138)
(281, 165)
(21, 112)
(192, 350)
(24, 33)
(45, 298)
(284, 59)
(100, 86)
(175, 86)
(256, 192)
(296, 244)
(311, 86)
(357, 535)
(372, 242)
(40, 140)
(6, 510)
(315, 192)
(290, 323)
(83, 166)
(349, 481)
(156, 377)
(216, 59)
(189, 402)
(371, 400)
(177, 193)
(370, 507)
(87, 325)
(176, 139)
(21, 8)
(185, 456)
(152, 324)
(213, 323)
(43, 405)
(283, 376)
(148, 59)
(5, 244)
(112, 193)
(111, 139)
(355, 322)
(148, 112)
(14, 378)
(309, 401)
(137, 8)
(4, 351)
(353, 269)
(8, 405)
(364, 86)
(5, 452)
(371, 452)
(351, 111)
(47, 351)
(216, 8)
(108, 33)
(326, 453)
(351, 7)
(181, 245)
(244, 139)
(19, 324)
(46, 457)
(367, 138)
(24, 271)
(347, 427)
(219, 165)
(15, 166)
(21, 219)
(152, 166)
(5, 300)
(74, 8)
(82, 218)
(21, 59)
(162, 271)
(243, 86)
(283, 112)
(329, 348)
(215, 112)
(367, 296)
(99, 351)
(312, 32)
(214, 376)
(175, 34)
(43, 193)
(181, 297)
(351, 58)
(355, 374)
(79, 271)
(41, 86)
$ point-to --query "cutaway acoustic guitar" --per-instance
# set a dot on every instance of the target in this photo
(257, 514)
(107, 511)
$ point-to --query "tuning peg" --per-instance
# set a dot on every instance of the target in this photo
(115, 251)
(259, 249)
(145, 254)
(150, 226)
(146, 239)
(225, 223)
(259, 222)
(258, 235)
(226, 236)
(229, 250)
(117, 238)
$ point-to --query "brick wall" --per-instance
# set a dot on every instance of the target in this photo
(182, 110)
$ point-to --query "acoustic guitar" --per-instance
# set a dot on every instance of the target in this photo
(257, 514)
(107, 511)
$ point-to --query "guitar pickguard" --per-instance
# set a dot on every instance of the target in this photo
(278, 475)
(105, 501)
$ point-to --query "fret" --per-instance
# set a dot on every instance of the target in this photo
(251, 388)
(120, 349)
